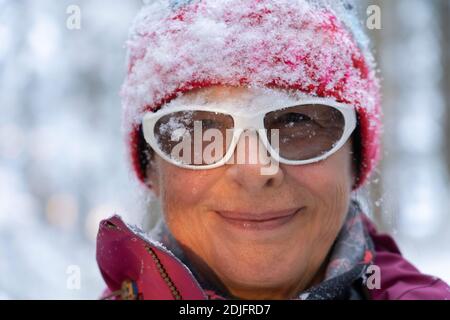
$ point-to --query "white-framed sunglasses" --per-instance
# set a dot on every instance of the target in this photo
(304, 132)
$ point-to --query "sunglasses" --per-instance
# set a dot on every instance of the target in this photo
(202, 137)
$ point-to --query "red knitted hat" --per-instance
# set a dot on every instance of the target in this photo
(287, 44)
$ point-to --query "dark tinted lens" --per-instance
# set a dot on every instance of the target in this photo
(305, 131)
(194, 137)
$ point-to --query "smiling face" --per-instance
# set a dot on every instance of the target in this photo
(260, 236)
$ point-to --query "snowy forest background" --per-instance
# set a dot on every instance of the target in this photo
(63, 163)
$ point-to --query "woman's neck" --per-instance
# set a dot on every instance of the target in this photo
(291, 290)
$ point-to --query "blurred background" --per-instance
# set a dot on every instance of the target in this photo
(63, 163)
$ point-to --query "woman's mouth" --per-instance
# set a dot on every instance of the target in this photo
(259, 221)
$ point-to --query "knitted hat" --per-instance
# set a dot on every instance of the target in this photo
(302, 45)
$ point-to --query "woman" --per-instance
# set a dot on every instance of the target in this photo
(253, 122)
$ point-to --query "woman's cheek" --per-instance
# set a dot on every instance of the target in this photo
(186, 187)
(326, 177)
(328, 186)
(319, 178)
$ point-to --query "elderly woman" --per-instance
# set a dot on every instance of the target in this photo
(253, 123)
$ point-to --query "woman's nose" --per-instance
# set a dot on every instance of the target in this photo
(251, 166)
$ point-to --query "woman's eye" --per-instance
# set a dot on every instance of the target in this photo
(293, 119)
(208, 123)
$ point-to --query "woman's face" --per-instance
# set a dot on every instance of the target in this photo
(260, 236)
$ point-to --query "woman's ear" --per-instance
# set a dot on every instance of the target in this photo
(354, 170)
(147, 163)
(151, 172)
(356, 154)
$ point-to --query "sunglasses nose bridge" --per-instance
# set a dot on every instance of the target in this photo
(248, 122)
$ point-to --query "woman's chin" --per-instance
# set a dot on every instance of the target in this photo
(254, 280)
(255, 269)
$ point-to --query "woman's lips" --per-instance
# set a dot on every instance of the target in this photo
(258, 221)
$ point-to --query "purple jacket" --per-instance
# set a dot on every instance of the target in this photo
(135, 267)
(400, 280)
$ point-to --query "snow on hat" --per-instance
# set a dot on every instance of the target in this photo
(177, 46)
